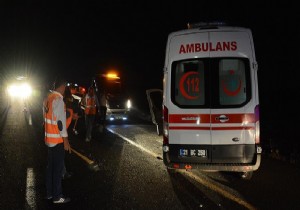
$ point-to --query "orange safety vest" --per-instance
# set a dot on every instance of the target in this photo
(90, 105)
(52, 134)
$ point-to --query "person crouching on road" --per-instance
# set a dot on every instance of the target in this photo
(56, 139)
(91, 105)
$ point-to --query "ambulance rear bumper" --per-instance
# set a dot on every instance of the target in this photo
(215, 167)
(210, 166)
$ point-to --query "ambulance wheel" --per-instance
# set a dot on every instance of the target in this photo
(171, 171)
(246, 175)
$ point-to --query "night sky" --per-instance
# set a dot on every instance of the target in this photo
(80, 38)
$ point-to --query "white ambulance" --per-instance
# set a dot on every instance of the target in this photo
(210, 100)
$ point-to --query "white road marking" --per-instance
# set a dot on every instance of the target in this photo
(30, 189)
(133, 143)
(30, 119)
(206, 183)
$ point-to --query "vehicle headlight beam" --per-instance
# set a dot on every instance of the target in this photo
(20, 91)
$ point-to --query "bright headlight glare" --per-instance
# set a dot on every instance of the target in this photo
(12, 90)
(25, 90)
(22, 90)
(128, 104)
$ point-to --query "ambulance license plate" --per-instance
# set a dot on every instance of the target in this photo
(193, 152)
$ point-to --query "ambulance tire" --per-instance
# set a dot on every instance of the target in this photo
(246, 175)
(171, 171)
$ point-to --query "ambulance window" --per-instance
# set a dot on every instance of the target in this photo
(232, 82)
(188, 83)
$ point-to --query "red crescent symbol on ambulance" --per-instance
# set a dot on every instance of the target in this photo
(229, 92)
(181, 85)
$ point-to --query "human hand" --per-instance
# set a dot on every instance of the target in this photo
(67, 145)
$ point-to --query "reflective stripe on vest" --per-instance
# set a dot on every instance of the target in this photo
(90, 105)
(52, 134)
(50, 122)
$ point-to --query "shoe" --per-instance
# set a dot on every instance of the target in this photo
(62, 200)
(67, 175)
(48, 197)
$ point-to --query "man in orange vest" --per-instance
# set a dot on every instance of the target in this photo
(56, 139)
(91, 105)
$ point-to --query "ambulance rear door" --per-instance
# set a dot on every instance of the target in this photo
(187, 101)
(232, 101)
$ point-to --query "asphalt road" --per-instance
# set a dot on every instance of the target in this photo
(121, 168)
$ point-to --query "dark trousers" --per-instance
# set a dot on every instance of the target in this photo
(56, 156)
(102, 112)
(89, 123)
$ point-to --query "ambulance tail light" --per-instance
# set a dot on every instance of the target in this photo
(176, 166)
(165, 125)
(257, 125)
